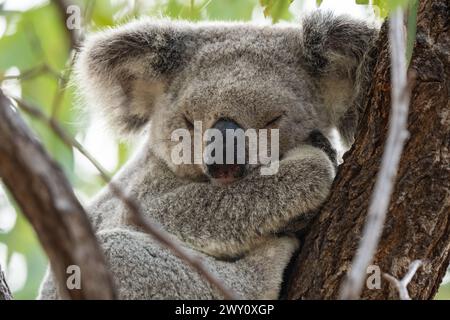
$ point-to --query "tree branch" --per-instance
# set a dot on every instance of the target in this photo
(47, 200)
(397, 134)
(402, 285)
(62, 6)
(5, 293)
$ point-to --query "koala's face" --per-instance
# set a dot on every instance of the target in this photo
(224, 76)
(242, 82)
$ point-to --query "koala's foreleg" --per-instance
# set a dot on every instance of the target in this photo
(238, 217)
(259, 274)
(143, 270)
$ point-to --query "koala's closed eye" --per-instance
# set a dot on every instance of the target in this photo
(189, 123)
(274, 121)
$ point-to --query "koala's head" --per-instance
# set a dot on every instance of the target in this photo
(166, 75)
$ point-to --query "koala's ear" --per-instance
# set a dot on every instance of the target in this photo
(122, 71)
(335, 50)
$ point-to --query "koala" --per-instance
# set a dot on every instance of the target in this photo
(152, 77)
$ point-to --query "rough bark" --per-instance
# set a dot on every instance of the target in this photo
(46, 198)
(418, 220)
(5, 293)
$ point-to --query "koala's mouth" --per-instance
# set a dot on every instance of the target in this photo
(225, 174)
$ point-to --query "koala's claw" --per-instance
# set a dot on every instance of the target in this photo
(318, 140)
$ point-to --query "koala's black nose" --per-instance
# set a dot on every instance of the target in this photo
(232, 165)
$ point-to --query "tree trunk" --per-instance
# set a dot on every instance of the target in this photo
(5, 293)
(418, 220)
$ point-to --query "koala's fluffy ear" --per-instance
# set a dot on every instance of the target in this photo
(121, 72)
(336, 52)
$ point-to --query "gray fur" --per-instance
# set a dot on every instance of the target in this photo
(336, 50)
(162, 73)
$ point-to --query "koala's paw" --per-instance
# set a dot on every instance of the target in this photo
(270, 260)
(280, 248)
(318, 140)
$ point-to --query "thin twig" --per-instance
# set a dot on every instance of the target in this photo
(137, 216)
(62, 86)
(62, 6)
(27, 74)
(88, 11)
(397, 135)
(402, 285)
(34, 72)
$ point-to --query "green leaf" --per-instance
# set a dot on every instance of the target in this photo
(177, 9)
(277, 9)
(392, 4)
(22, 239)
(16, 50)
(103, 13)
(411, 28)
(384, 7)
(230, 10)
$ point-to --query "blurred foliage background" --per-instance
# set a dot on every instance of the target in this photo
(35, 57)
